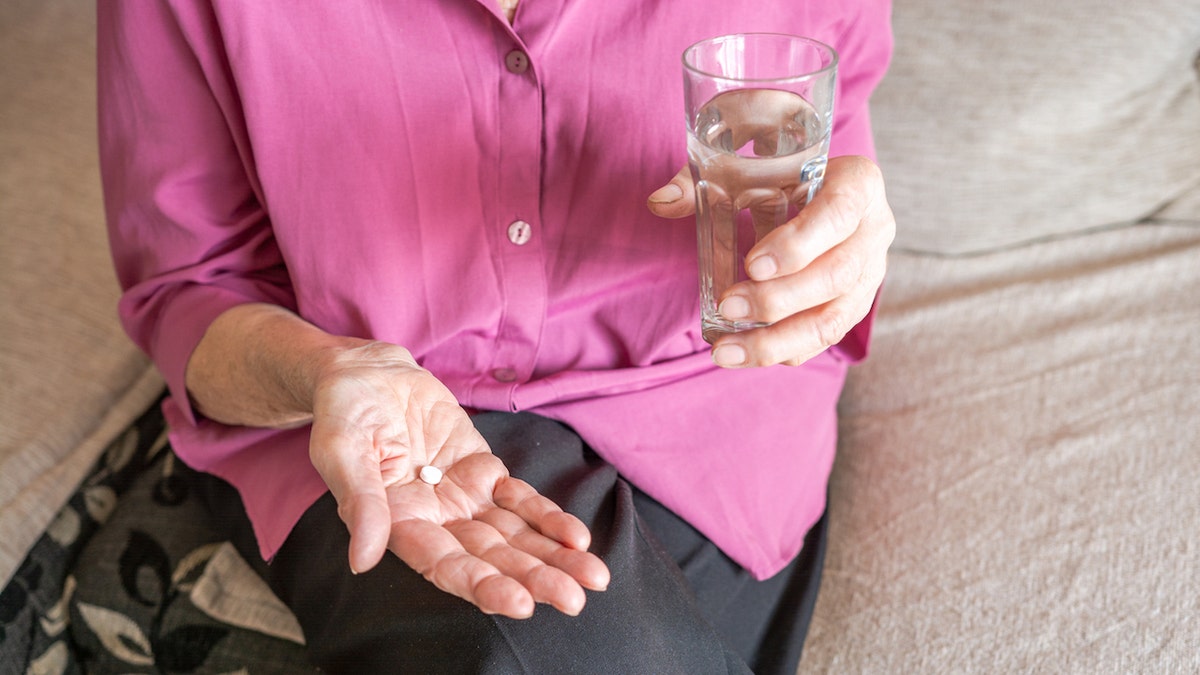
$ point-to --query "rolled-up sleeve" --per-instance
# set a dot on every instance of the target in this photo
(189, 233)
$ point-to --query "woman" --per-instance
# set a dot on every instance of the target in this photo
(348, 231)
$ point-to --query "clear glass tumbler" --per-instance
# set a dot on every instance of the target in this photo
(759, 112)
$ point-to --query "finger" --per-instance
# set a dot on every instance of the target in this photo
(584, 567)
(367, 518)
(356, 482)
(546, 584)
(852, 191)
(835, 273)
(799, 337)
(767, 207)
(514, 494)
(437, 555)
(676, 199)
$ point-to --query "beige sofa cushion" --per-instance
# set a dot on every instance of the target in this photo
(71, 380)
(1016, 488)
(1002, 123)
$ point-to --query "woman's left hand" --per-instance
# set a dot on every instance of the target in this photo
(812, 278)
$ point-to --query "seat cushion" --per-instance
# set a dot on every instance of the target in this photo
(1016, 483)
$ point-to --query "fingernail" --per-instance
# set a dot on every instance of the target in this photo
(667, 194)
(734, 307)
(762, 267)
(728, 356)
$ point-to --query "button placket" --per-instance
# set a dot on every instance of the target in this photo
(520, 257)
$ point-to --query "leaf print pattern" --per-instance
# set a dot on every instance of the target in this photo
(117, 598)
(144, 555)
(144, 569)
(100, 501)
(122, 451)
(34, 605)
(54, 621)
(65, 527)
(118, 633)
(52, 662)
(192, 564)
(170, 490)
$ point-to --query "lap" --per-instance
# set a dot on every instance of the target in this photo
(675, 603)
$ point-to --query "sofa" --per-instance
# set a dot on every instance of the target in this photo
(1018, 481)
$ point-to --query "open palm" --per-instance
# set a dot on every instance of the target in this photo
(480, 533)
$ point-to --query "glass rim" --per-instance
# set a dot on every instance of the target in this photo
(812, 74)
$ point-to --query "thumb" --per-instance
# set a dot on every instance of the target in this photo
(368, 518)
(676, 199)
(357, 485)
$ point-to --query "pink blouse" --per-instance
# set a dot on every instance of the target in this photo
(427, 174)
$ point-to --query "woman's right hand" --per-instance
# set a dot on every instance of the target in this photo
(480, 533)
(377, 418)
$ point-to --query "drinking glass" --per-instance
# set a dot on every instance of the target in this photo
(759, 112)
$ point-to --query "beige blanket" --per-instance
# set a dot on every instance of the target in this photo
(70, 381)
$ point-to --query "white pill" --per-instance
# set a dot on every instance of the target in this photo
(431, 474)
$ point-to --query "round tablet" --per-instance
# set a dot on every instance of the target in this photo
(431, 474)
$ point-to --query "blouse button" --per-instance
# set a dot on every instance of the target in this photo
(516, 61)
(505, 375)
(519, 232)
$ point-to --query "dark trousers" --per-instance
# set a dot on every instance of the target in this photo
(676, 604)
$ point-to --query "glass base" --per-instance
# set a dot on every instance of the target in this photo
(712, 328)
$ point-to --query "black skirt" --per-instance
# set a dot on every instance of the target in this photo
(676, 603)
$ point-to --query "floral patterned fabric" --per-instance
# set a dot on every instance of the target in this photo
(109, 587)
(34, 614)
